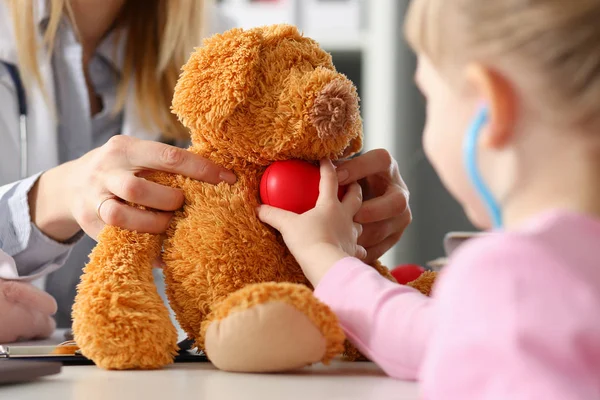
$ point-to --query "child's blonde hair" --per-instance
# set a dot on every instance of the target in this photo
(556, 43)
(160, 36)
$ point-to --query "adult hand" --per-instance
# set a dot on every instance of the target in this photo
(90, 191)
(25, 312)
(385, 212)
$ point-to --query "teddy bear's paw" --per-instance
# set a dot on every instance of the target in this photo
(272, 327)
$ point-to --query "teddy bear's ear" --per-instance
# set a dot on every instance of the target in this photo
(219, 76)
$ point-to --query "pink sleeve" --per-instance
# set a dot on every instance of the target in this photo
(389, 323)
(513, 323)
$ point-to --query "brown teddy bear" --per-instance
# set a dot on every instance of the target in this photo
(249, 98)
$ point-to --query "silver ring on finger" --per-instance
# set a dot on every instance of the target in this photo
(111, 197)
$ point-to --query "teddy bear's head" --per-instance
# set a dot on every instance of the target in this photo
(268, 94)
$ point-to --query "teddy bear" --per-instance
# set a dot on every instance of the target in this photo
(249, 98)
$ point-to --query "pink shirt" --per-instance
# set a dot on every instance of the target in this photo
(512, 316)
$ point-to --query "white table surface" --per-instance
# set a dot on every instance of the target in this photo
(340, 380)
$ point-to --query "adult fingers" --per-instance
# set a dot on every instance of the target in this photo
(144, 154)
(393, 203)
(381, 236)
(140, 191)
(275, 217)
(367, 164)
(328, 184)
(376, 232)
(353, 198)
(28, 296)
(22, 323)
(116, 213)
(375, 252)
(42, 325)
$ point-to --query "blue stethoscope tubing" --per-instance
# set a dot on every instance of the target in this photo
(470, 161)
(22, 103)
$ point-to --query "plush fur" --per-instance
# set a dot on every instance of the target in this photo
(249, 98)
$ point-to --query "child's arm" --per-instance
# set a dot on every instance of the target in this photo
(387, 322)
(512, 322)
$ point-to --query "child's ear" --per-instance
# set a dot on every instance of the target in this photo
(498, 95)
(218, 77)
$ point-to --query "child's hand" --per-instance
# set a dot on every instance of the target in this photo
(324, 235)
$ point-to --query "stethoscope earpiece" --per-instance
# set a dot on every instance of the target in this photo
(470, 159)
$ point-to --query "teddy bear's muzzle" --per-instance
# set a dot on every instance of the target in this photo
(335, 109)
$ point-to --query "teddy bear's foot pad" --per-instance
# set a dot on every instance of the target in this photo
(269, 337)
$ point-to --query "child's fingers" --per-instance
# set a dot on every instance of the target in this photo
(353, 198)
(276, 217)
(361, 253)
(328, 185)
(358, 228)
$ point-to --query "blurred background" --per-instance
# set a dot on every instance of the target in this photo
(366, 42)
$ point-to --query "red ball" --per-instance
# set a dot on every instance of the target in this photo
(407, 273)
(292, 185)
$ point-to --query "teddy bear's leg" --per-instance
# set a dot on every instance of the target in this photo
(119, 319)
(269, 327)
